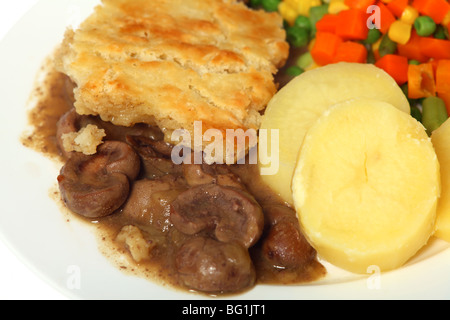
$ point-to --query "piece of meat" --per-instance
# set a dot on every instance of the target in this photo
(68, 123)
(229, 214)
(198, 174)
(71, 121)
(209, 265)
(155, 157)
(150, 199)
(284, 246)
(96, 186)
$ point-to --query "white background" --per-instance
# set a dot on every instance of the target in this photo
(17, 282)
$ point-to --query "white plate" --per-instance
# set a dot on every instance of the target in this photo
(65, 254)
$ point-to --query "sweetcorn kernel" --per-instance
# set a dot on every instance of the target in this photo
(446, 19)
(409, 15)
(400, 32)
(336, 6)
(302, 6)
(376, 45)
(287, 12)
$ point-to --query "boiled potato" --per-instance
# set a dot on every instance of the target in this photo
(298, 105)
(366, 186)
(441, 141)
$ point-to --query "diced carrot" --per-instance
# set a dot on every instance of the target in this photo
(446, 97)
(350, 51)
(435, 48)
(421, 81)
(352, 24)
(443, 76)
(397, 7)
(396, 66)
(325, 47)
(386, 17)
(359, 4)
(411, 49)
(328, 23)
(436, 9)
(434, 64)
(419, 4)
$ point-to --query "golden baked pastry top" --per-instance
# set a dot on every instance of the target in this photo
(173, 62)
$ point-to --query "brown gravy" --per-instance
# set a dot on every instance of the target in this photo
(53, 102)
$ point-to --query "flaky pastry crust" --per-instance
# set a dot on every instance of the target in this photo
(173, 62)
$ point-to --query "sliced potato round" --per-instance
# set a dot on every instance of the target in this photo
(298, 105)
(441, 142)
(366, 186)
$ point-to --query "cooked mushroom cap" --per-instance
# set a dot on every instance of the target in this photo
(232, 214)
(284, 245)
(148, 202)
(209, 265)
(96, 186)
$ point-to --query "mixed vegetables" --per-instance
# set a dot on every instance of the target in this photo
(409, 39)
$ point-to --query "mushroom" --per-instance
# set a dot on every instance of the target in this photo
(230, 214)
(155, 156)
(285, 246)
(198, 174)
(71, 121)
(68, 123)
(149, 201)
(211, 266)
(96, 186)
(195, 175)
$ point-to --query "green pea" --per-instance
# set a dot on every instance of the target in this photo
(434, 113)
(305, 60)
(373, 36)
(303, 22)
(297, 37)
(294, 71)
(270, 5)
(387, 46)
(425, 26)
